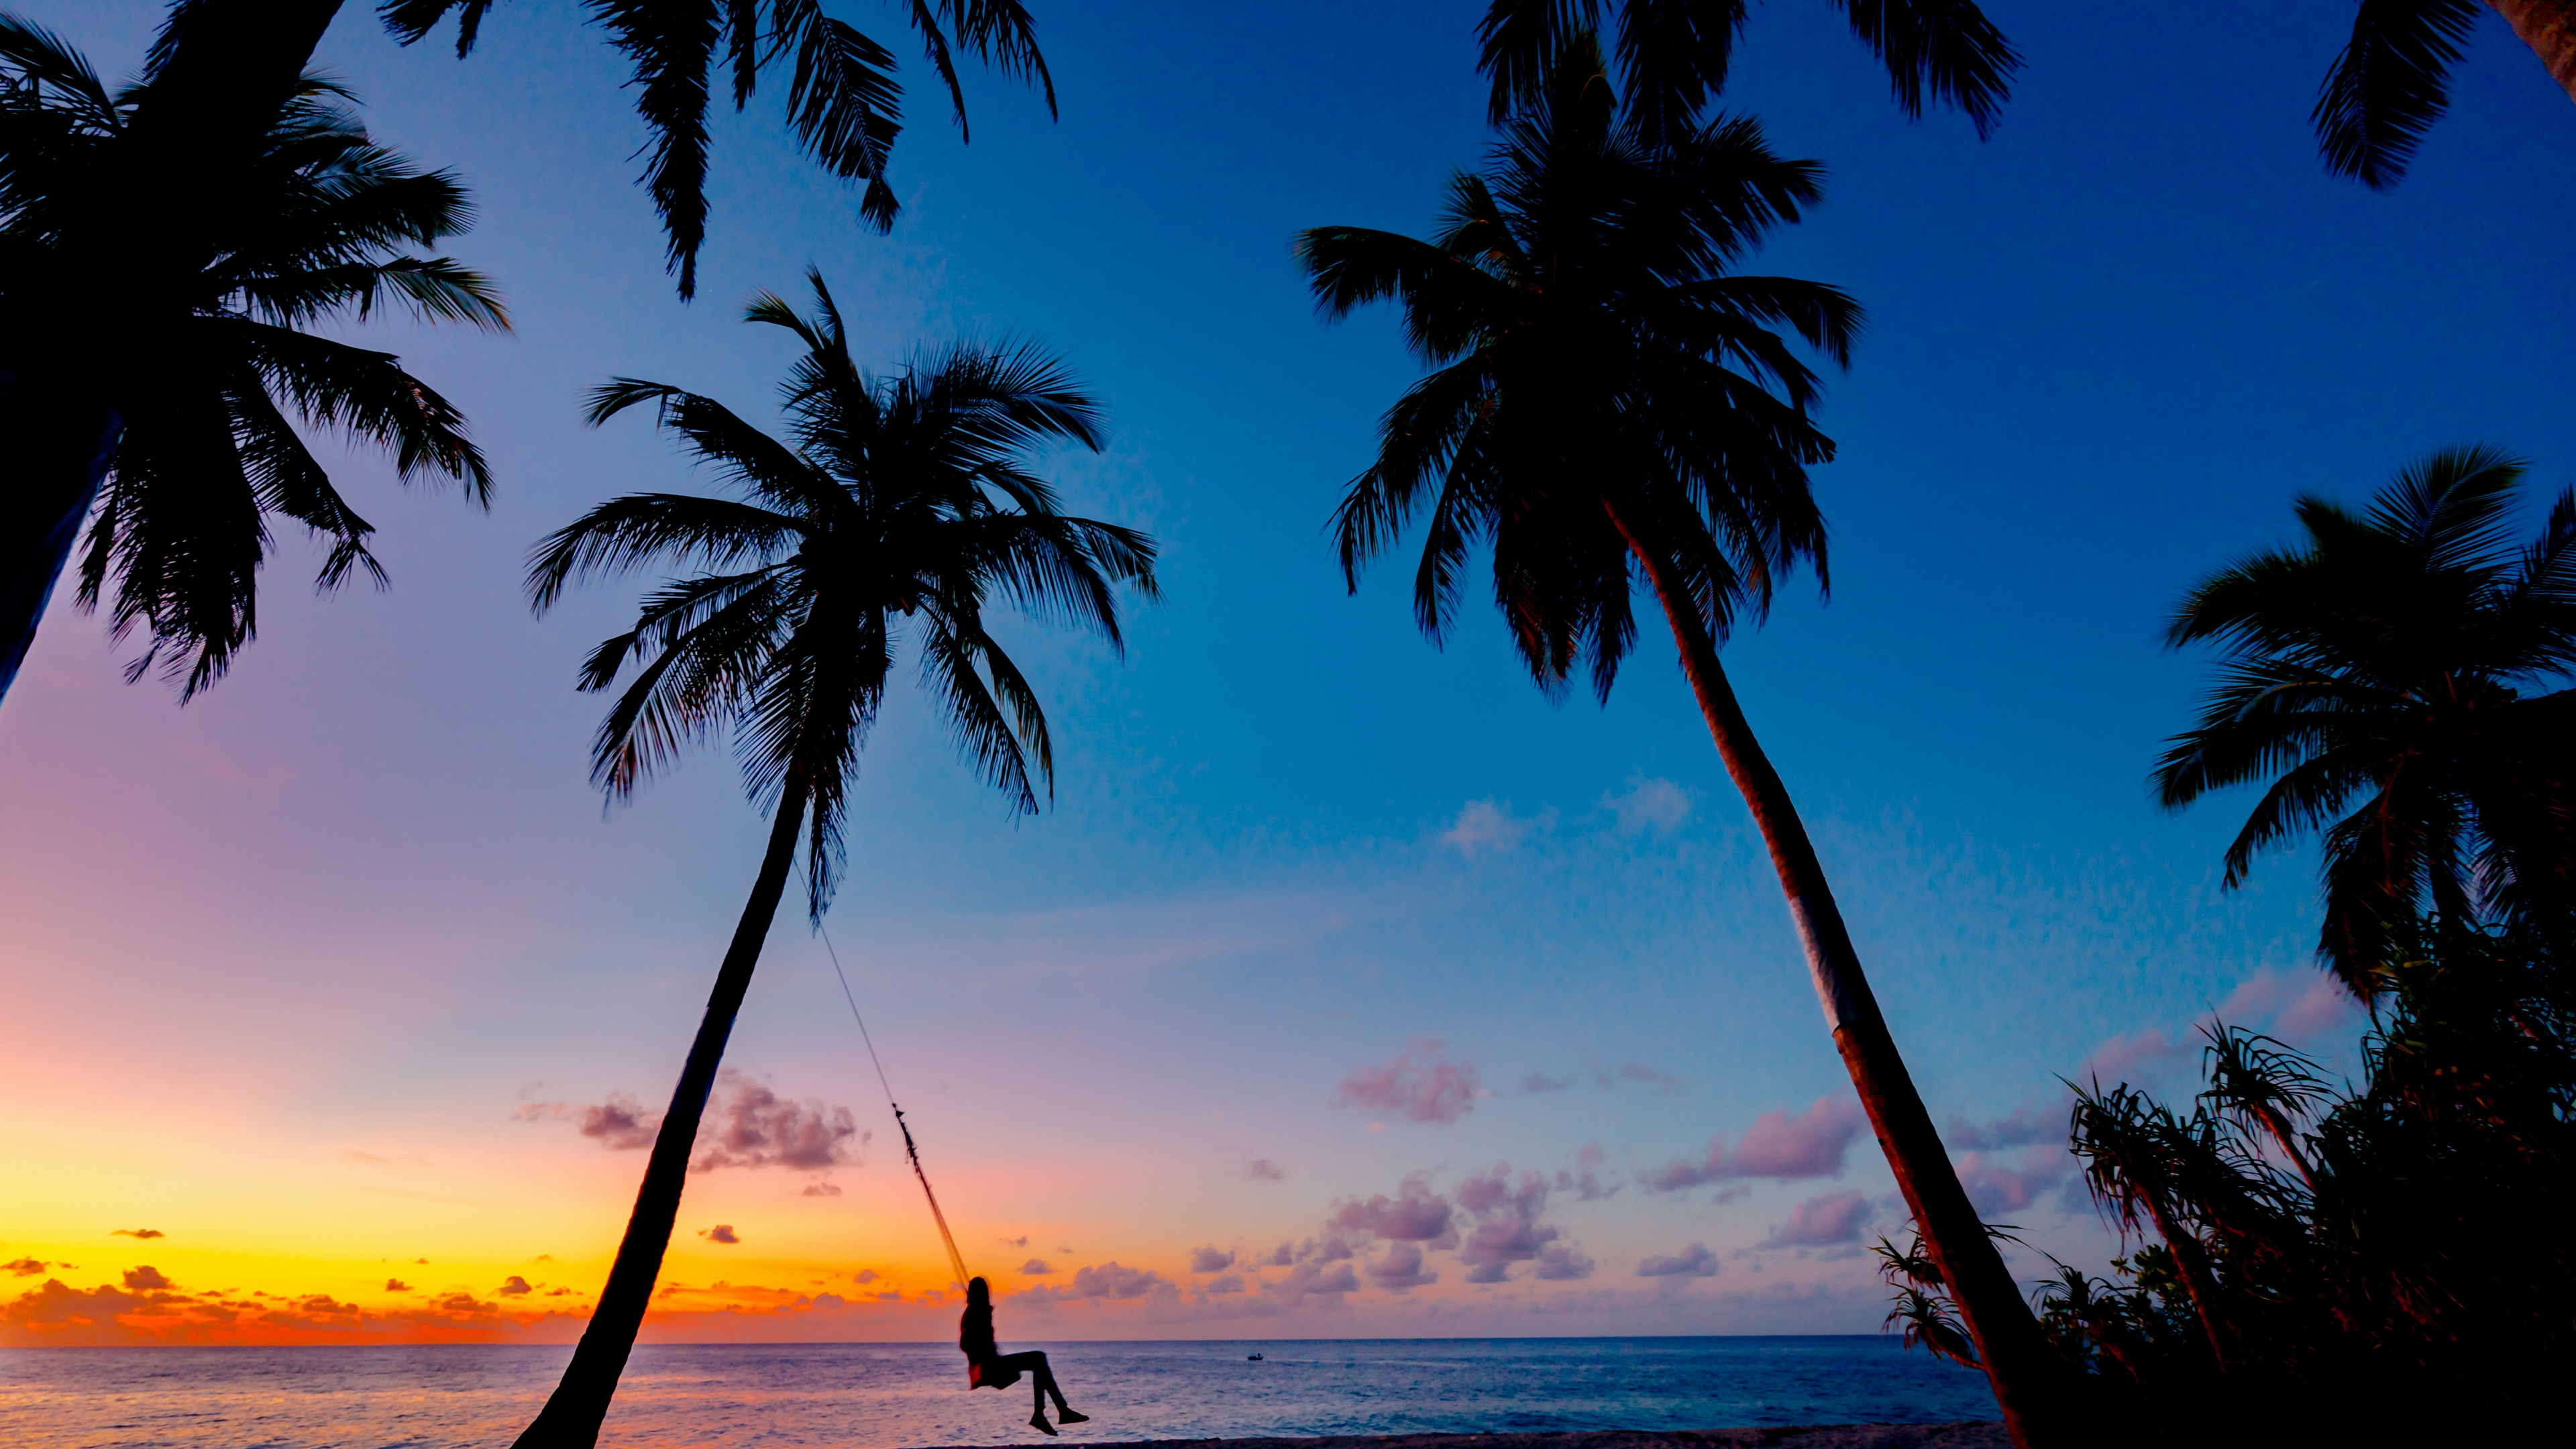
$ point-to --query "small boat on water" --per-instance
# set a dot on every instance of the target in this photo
(1252, 1358)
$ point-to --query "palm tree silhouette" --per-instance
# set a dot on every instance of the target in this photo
(1610, 397)
(220, 76)
(2404, 656)
(1674, 54)
(903, 502)
(2393, 79)
(204, 361)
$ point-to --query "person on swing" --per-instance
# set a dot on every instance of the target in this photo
(987, 1367)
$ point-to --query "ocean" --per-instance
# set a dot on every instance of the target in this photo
(883, 1396)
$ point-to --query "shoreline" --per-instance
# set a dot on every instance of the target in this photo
(1799, 1437)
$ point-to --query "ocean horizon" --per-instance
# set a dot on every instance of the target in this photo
(906, 1395)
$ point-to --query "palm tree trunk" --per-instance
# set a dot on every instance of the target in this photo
(2549, 28)
(2191, 1260)
(2017, 1359)
(572, 1416)
(62, 455)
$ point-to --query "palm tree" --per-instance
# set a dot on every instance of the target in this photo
(1611, 402)
(2392, 81)
(202, 362)
(844, 100)
(1673, 54)
(2406, 657)
(162, 203)
(902, 501)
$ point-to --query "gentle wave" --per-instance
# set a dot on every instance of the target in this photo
(876, 1396)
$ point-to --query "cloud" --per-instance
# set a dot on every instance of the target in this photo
(1489, 826)
(1662, 1083)
(146, 1234)
(1414, 1215)
(1111, 1280)
(1649, 804)
(25, 1267)
(820, 1189)
(864, 1275)
(753, 1126)
(1778, 1146)
(2030, 1124)
(396, 1285)
(1210, 1260)
(1315, 1280)
(1021, 1241)
(1280, 1257)
(720, 1233)
(1508, 1229)
(1262, 1169)
(1033, 1268)
(146, 1279)
(1537, 1082)
(2139, 1055)
(1422, 1085)
(1223, 1284)
(1822, 1222)
(1695, 1261)
(1399, 1269)
(1995, 1188)
(517, 1287)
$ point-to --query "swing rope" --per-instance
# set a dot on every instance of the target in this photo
(909, 1151)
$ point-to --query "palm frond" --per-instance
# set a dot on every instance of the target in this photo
(2389, 85)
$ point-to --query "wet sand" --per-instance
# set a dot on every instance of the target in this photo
(1832, 1436)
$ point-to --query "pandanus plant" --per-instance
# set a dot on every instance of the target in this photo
(1612, 403)
(902, 510)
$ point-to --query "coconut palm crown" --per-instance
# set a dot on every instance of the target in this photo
(204, 362)
(1674, 54)
(902, 504)
(2414, 660)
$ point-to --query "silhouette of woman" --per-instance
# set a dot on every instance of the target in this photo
(987, 1367)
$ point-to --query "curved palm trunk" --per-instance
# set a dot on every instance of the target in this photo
(2191, 1261)
(2017, 1360)
(2549, 28)
(572, 1416)
(62, 457)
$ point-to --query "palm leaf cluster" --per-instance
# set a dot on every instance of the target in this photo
(1673, 55)
(898, 503)
(2389, 85)
(1596, 361)
(844, 94)
(211, 367)
(2402, 659)
(2306, 1251)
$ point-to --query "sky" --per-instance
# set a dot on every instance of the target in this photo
(1348, 987)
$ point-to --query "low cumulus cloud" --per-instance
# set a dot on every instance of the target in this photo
(147, 1279)
(1649, 804)
(517, 1287)
(1113, 1280)
(1210, 1260)
(1507, 1229)
(26, 1267)
(1537, 1082)
(1825, 1221)
(1997, 1188)
(1415, 1214)
(2304, 1008)
(396, 1285)
(1695, 1261)
(1778, 1146)
(1223, 1284)
(2031, 1123)
(147, 1234)
(1262, 1169)
(1422, 1085)
(2139, 1057)
(1033, 1268)
(1400, 1269)
(720, 1233)
(746, 1125)
(1488, 827)
(1315, 1280)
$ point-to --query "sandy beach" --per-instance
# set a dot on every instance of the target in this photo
(1830, 1436)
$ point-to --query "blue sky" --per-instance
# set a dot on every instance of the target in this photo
(360, 897)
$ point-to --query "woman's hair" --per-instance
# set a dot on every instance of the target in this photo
(976, 1292)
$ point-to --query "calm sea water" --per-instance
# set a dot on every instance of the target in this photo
(876, 1396)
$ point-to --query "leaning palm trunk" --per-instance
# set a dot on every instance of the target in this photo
(573, 1414)
(50, 486)
(2549, 28)
(2007, 1337)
